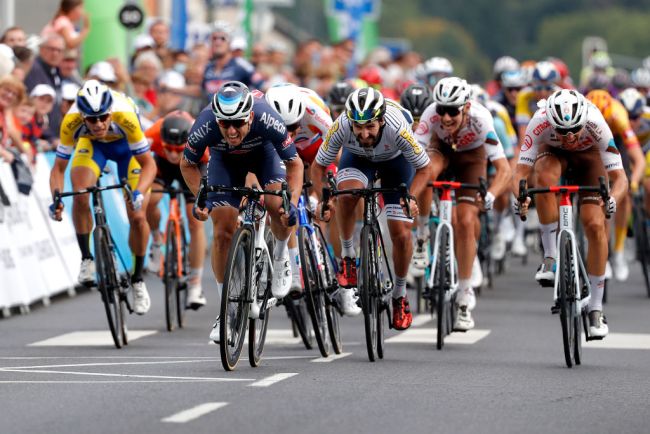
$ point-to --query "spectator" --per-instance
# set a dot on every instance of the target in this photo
(344, 57)
(259, 54)
(36, 131)
(70, 66)
(170, 93)
(159, 32)
(12, 91)
(14, 37)
(70, 11)
(7, 64)
(141, 86)
(149, 65)
(69, 92)
(24, 58)
(238, 46)
(104, 72)
(306, 60)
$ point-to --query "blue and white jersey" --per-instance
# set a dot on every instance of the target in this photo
(236, 69)
(267, 129)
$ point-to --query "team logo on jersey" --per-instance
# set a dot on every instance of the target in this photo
(528, 142)
(422, 128)
(333, 129)
(406, 135)
(539, 129)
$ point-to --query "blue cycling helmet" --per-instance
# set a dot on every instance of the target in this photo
(94, 99)
(233, 100)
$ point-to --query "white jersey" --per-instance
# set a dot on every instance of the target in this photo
(396, 139)
(315, 123)
(478, 130)
(595, 133)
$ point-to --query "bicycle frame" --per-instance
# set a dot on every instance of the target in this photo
(176, 217)
(445, 208)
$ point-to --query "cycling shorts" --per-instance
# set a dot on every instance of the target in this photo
(94, 155)
(466, 167)
(167, 173)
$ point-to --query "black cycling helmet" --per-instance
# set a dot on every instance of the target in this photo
(416, 98)
(175, 129)
(339, 93)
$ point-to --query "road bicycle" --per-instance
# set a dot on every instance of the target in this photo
(246, 299)
(571, 289)
(114, 287)
(443, 278)
(642, 237)
(375, 277)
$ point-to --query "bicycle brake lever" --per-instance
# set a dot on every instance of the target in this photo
(201, 195)
(407, 199)
(325, 200)
(523, 195)
(127, 189)
(604, 194)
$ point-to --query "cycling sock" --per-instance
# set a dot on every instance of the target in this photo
(520, 228)
(498, 216)
(347, 248)
(549, 239)
(400, 287)
(295, 261)
(195, 276)
(619, 243)
(597, 291)
(464, 284)
(280, 248)
(219, 290)
(137, 269)
(422, 232)
(84, 245)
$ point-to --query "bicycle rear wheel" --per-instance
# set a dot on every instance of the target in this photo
(234, 300)
(181, 289)
(329, 285)
(441, 287)
(108, 285)
(367, 292)
(257, 327)
(642, 242)
(567, 297)
(314, 290)
(299, 316)
(170, 275)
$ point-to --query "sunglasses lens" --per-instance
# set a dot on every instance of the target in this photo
(567, 131)
(451, 111)
(237, 123)
(95, 119)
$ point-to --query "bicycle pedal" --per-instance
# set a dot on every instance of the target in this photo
(594, 338)
(545, 283)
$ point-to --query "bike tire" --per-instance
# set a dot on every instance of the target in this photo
(441, 288)
(566, 296)
(367, 278)
(234, 300)
(170, 276)
(298, 314)
(643, 243)
(314, 291)
(181, 290)
(329, 285)
(257, 328)
(108, 285)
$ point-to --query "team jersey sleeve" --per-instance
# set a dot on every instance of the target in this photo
(405, 141)
(621, 126)
(522, 108)
(319, 124)
(492, 144)
(130, 124)
(609, 153)
(333, 142)
(203, 131)
(71, 123)
(153, 136)
(425, 127)
(530, 144)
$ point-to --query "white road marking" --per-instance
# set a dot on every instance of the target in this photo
(421, 319)
(194, 412)
(622, 341)
(428, 335)
(95, 381)
(75, 365)
(331, 358)
(105, 374)
(88, 339)
(268, 381)
(278, 337)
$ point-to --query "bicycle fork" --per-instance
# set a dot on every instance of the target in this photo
(259, 307)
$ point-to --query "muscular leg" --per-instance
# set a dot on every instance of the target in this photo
(153, 214)
(224, 221)
(82, 177)
(197, 242)
(467, 224)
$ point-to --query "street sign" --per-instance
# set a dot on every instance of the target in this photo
(131, 16)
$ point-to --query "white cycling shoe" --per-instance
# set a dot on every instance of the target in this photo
(282, 276)
(195, 298)
(215, 333)
(86, 272)
(498, 249)
(597, 324)
(155, 258)
(141, 300)
(464, 320)
(348, 302)
(519, 247)
(620, 267)
(420, 258)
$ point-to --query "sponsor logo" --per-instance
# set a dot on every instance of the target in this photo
(257, 94)
(199, 133)
(539, 129)
(527, 144)
(422, 128)
(466, 139)
(287, 143)
(136, 171)
(406, 135)
(333, 129)
(271, 122)
(310, 110)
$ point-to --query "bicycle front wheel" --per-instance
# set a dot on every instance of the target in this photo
(642, 242)
(257, 327)
(170, 275)
(234, 300)
(441, 286)
(329, 285)
(367, 289)
(567, 297)
(108, 285)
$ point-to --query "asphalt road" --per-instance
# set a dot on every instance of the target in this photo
(507, 376)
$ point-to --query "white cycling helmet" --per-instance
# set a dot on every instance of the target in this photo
(567, 109)
(365, 105)
(94, 99)
(545, 72)
(640, 77)
(478, 94)
(232, 101)
(633, 101)
(438, 65)
(514, 78)
(503, 64)
(451, 91)
(288, 101)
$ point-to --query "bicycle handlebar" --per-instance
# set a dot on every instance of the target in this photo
(481, 187)
(255, 192)
(93, 189)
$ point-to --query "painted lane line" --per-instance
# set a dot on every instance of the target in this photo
(428, 335)
(88, 339)
(331, 358)
(96, 381)
(268, 381)
(103, 357)
(104, 374)
(622, 341)
(277, 337)
(421, 319)
(79, 365)
(194, 412)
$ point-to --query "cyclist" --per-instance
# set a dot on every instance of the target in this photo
(435, 69)
(502, 65)
(103, 125)
(337, 96)
(570, 132)
(375, 138)
(168, 137)
(634, 164)
(459, 136)
(640, 78)
(244, 134)
(308, 121)
(416, 98)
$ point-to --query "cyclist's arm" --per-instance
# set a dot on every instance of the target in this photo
(191, 174)
(295, 176)
(502, 177)
(57, 175)
(148, 171)
(618, 182)
(317, 176)
(522, 171)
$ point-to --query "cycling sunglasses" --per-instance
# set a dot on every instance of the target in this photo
(450, 110)
(237, 123)
(174, 148)
(95, 119)
(567, 131)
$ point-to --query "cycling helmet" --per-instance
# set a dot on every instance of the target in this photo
(560, 66)
(600, 60)
(287, 100)
(640, 77)
(514, 78)
(478, 94)
(416, 98)
(601, 99)
(503, 64)
(94, 99)
(621, 79)
(175, 129)
(339, 93)
(567, 109)
(545, 72)
(598, 80)
(365, 105)
(646, 63)
(451, 91)
(633, 102)
(438, 65)
(233, 100)
(373, 75)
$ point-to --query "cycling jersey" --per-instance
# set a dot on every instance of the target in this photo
(642, 130)
(526, 106)
(237, 69)
(595, 134)
(498, 110)
(124, 127)
(396, 138)
(616, 117)
(313, 125)
(153, 135)
(476, 131)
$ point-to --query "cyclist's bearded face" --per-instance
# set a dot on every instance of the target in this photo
(234, 131)
(367, 133)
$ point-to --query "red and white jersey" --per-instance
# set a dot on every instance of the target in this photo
(314, 124)
(595, 133)
(478, 130)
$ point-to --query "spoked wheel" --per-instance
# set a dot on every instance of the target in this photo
(108, 285)
(170, 276)
(257, 327)
(181, 290)
(315, 295)
(643, 242)
(567, 299)
(441, 287)
(329, 285)
(367, 282)
(234, 300)
(577, 338)
(299, 315)
(381, 308)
